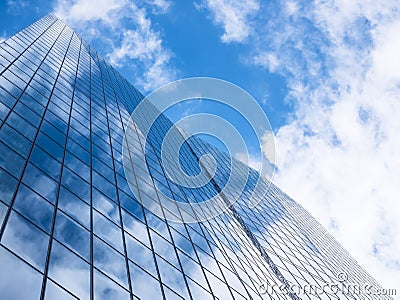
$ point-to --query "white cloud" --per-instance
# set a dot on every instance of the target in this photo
(128, 28)
(234, 16)
(267, 60)
(291, 7)
(339, 153)
(385, 57)
(144, 44)
(264, 160)
(81, 12)
(268, 146)
(16, 7)
(160, 6)
(253, 161)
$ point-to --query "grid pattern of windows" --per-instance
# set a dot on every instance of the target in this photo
(70, 226)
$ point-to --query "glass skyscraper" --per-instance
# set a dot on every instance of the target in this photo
(70, 226)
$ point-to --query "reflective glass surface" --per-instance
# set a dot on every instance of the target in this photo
(70, 227)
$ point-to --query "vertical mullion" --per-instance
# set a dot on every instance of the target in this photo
(275, 239)
(30, 150)
(184, 224)
(162, 209)
(143, 211)
(91, 183)
(46, 269)
(246, 231)
(116, 186)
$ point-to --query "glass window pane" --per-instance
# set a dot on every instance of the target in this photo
(70, 271)
(164, 248)
(135, 228)
(45, 162)
(131, 205)
(108, 231)
(18, 123)
(26, 108)
(15, 140)
(110, 262)
(144, 286)
(7, 186)
(10, 160)
(76, 184)
(104, 185)
(3, 111)
(40, 183)
(53, 133)
(192, 269)
(26, 240)
(140, 255)
(76, 165)
(197, 291)
(3, 211)
(172, 295)
(34, 207)
(72, 235)
(105, 288)
(74, 207)
(105, 205)
(171, 276)
(6, 98)
(53, 291)
(50, 146)
(22, 283)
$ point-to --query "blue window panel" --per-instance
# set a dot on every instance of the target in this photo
(74, 207)
(72, 235)
(7, 99)
(18, 279)
(139, 253)
(76, 184)
(151, 289)
(22, 126)
(70, 271)
(109, 261)
(10, 160)
(4, 110)
(53, 291)
(105, 288)
(8, 185)
(108, 231)
(40, 183)
(50, 146)
(3, 211)
(105, 205)
(26, 240)
(34, 207)
(45, 162)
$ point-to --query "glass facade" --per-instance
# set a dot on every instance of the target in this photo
(72, 228)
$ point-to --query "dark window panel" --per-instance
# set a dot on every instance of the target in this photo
(10, 160)
(8, 184)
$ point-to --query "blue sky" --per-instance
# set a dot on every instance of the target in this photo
(189, 38)
(325, 72)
